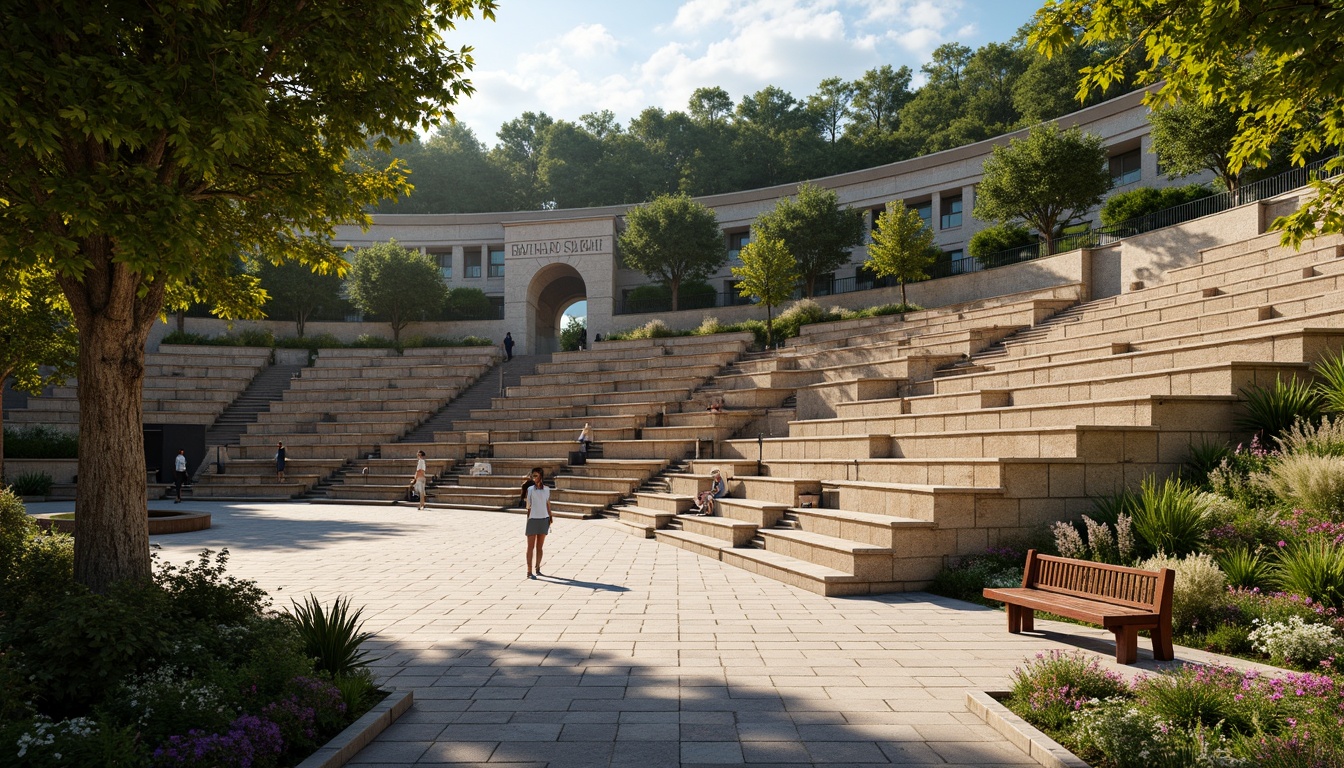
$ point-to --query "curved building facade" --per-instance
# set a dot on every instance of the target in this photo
(536, 264)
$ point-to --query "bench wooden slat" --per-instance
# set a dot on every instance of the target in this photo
(1120, 599)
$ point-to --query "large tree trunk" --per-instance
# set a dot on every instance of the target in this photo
(675, 287)
(111, 527)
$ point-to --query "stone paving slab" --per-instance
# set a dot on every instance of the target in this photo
(628, 652)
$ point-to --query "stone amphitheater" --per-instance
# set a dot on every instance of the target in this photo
(861, 457)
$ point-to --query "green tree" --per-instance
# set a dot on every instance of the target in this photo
(673, 239)
(768, 274)
(1197, 49)
(141, 151)
(468, 304)
(879, 96)
(572, 333)
(831, 105)
(711, 105)
(38, 342)
(396, 284)
(815, 229)
(298, 292)
(1196, 137)
(519, 155)
(1047, 179)
(902, 246)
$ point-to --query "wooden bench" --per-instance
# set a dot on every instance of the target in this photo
(1123, 600)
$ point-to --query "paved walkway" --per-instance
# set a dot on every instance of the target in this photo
(628, 652)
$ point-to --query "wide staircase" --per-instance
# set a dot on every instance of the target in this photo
(184, 384)
(387, 475)
(347, 407)
(645, 400)
(933, 436)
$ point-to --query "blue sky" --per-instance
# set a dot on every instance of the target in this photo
(568, 58)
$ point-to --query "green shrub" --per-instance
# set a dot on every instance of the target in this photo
(370, 341)
(1312, 568)
(33, 564)
(1199, 589)
(1269, 411)
(468, 304)
(1001, 237)
(654, 329)
(1050, 688)
(40, 442)
(1203, 459)
(1144, 200)
(201, 590)
(182, 337)
(1314, 483)
(882, 310)
(256, 337)
(1172, 517)
(32, 484)
(1330, 381)
(331, 636)
(802, 312)
(1244, 567)
(967, 580)
(1187, 698)
(357, 689)
(1231, 639)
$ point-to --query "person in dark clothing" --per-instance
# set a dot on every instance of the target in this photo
(508, 347)
(583, 338)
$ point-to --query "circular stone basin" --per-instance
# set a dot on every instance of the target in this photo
(160, 521)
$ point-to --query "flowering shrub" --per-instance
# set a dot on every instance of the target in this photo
(249, 742)
(1306, 480)
(998, 567)
(1051, 688)
(309, 705)
(1195, 716)
(1295, 641)
(1102, 545)
(1200, 585)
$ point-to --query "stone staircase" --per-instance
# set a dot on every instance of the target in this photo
(477, 396)
(268, 386)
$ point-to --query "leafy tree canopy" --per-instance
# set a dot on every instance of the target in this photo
(143, 148)
(38, 342)
(673, 239)
(1046, 179)
(1197, 50)
(297, 292)
(769, 274)
(396, 284)
(815, 229)
(902, 246)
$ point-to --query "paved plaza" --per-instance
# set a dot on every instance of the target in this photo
(628, 652)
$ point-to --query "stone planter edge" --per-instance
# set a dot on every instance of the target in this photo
(1041, 748)
(341, 749)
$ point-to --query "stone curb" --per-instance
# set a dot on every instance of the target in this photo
(1041, 748)
(358, 734)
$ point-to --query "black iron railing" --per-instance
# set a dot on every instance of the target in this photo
(1092, 238)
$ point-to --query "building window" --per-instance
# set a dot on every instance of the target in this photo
(496, 262)
(473, 265)
(497, 304)
(736, 242)
(951, 210)
(1126, 168)
(732, 297)
(925, 211)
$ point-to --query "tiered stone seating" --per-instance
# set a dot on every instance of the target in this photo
(632, 394)
(184, 384)
(349, 406)
(910, 472)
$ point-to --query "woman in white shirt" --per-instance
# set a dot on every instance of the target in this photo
(420, 477)
(538, 520)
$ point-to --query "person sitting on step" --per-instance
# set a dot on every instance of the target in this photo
(705, 501)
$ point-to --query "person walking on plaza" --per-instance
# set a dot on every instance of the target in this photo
(585, 438)
(508, 347)
(280, 461)
(179, 473)
(538, 521)
(419, 481)
(704, 503)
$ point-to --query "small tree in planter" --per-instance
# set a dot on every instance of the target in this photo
(768, 274)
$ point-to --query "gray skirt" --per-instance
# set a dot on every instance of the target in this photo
(538, 526)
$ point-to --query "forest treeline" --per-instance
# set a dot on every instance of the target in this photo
(769, 137)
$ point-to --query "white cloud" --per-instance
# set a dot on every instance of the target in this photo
(624, 56)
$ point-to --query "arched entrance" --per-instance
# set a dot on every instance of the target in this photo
(554, 288)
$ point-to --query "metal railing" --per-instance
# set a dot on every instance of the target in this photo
(1092, 238)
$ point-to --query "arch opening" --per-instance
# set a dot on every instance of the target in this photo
(554, 289)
